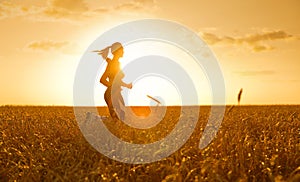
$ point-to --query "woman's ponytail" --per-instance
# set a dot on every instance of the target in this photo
(104, 52)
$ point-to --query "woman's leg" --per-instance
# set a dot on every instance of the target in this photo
(108, 100)
(120, 105)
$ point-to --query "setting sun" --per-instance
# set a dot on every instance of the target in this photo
(257, 54)
(157, 84)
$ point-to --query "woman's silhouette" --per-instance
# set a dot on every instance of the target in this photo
(112, 79)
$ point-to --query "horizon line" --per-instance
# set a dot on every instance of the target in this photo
(193, 105)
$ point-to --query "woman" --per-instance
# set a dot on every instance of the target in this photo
(112, 79)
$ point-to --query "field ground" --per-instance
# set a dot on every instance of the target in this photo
(254, 143)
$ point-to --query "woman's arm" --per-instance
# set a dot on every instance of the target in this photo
(104, 77)
(129, 85)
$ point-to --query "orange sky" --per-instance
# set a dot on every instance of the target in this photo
(257, 44)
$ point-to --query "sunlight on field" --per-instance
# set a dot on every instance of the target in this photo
(254, 143)
(141, 111)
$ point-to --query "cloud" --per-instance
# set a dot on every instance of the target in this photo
(211, 38)
(255, 73)
(259, 48)
(145, 1)
(64, 47)
(8, 9)
(255, 41)
(72, 11)
(70, 5)
(55, 13)
(46, 45)
(275, 35)
(101, 10)
(128, 6)
(54, 10)
(135, 5)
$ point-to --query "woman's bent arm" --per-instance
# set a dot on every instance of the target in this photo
(103, 79)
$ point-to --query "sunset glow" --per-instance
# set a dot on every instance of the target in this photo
(257, 46)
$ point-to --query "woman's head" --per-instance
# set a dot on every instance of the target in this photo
(116, 49)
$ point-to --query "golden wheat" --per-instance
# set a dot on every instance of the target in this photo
(254, 143)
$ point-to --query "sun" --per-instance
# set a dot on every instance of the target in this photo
(158, 86)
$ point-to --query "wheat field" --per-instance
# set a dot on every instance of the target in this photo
(254, 143)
